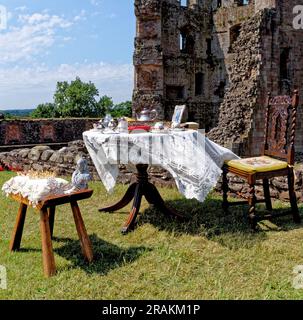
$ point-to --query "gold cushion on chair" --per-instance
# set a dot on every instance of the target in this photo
(257, 164)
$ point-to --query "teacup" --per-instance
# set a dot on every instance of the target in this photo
(159, 126)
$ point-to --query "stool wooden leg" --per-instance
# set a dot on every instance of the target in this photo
(18, 229)
(84, 239)
(51, 216)
(49, 265)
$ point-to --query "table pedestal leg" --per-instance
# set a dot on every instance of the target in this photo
(129, 195)
(130, 222)
(142, 187)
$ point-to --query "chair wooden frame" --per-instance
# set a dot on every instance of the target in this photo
(279, 141)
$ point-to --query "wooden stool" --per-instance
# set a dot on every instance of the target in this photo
(47, 210)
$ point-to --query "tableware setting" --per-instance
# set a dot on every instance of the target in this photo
(146, 121)
(159, 127)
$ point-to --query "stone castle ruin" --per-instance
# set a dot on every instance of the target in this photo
(220, 58)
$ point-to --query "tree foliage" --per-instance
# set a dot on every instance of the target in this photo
(45, 110)
(123, 109)
(79, 99)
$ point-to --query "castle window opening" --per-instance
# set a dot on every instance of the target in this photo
(183, 3)
(234, 33)
(219, 3)
(284, 64)
(242, 2)
(209, 47)
(199, 83)
(175, 92)
(187, 42)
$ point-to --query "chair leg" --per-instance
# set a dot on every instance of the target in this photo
(252, 206)
(225, 203)
(267, 194)
(293, 197)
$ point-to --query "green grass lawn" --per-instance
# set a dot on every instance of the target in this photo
(213, 256)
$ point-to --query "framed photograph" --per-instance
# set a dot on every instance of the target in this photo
(178, 115)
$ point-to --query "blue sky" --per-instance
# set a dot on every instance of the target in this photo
(46, 41)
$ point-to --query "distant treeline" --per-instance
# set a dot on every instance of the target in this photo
(19, 113)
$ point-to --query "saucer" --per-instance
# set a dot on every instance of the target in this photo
(159, 131)
(177, 129)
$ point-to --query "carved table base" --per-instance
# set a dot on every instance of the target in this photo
(142, 187)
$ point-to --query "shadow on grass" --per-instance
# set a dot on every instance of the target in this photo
(209, 220)
(107, 256)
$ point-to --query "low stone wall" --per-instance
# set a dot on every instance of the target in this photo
(63, 162)
(30, 131)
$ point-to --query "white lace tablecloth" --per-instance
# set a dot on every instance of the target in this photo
(193, 160)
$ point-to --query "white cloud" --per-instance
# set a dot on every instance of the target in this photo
(81, 16)
(21, 9)
(34, 36)
(95, 2)
(34, 85)
(112, 16)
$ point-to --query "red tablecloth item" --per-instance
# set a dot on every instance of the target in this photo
(139, 127)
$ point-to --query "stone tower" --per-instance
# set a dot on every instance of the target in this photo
(174, 59)
(148, 56)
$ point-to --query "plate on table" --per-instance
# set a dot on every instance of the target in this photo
(177, 129)
(163, 131)
(135, 131)
(110, 131)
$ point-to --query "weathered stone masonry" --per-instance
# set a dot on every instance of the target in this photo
(268, 57)
(220, 58)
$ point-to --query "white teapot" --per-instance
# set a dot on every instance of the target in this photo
(147, 115)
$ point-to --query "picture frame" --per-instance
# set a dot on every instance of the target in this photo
(178, 115)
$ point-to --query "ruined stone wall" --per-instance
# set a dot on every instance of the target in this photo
(260, 53)
(241, 98)
(278, 76)
(241, 51)
(173, 48)
(23, 132)
(182, 56)
(263, 4)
